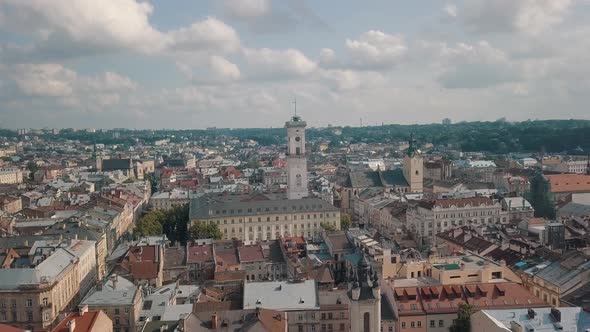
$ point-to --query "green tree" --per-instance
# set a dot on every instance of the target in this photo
(150, 224)
(204, 230)
(327, 226)
(153, 182)
(540, 196)
(32, 167)
(174, 224)
(345, 221)
(462, 323)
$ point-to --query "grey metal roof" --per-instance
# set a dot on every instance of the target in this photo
(116, 164)
(281, 295)
(389, 178)
(560, 273)
(122, 294)
(572, 319)
(215, 207)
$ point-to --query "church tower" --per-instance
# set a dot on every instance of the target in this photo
(414, 167)
(296, 160)
(364, 292)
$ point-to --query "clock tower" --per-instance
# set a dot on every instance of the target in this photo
(296, 160)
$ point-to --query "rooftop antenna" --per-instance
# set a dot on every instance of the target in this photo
(295, 105)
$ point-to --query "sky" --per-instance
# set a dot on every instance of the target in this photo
(242, 63)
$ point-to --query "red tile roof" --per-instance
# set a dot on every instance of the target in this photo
(83, 323)
(199, 253)
(8, 328)
(563, 183)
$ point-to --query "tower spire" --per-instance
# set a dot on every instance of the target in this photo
(295, 105)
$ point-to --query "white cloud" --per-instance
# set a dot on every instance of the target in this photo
(210, 35)
(97, 25)
(376, 49)
(44, 80)
(224, 69)
(527, 16)
(62, 29)
(246, 9)
(327, 56)
(278, 63)
(450, 10)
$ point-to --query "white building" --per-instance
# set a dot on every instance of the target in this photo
(11, 176)
(169, 199)
(428, 218)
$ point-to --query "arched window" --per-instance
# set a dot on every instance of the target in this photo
(298, 181)
(367, 322)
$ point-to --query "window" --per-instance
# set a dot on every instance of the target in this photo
(330, 315)
(312, 328)
(341, 315)
(441, 323)
(432, 323)
(403, 325)
(300, 328)
(419, 323)
(367, 322)
(300, 317)
(412, 324)
(323, 328)
(390, 329)
(28, 303)
(342, 326)
(117, 321)
(323, 316)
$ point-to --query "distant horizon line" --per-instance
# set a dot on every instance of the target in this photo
(88, 129)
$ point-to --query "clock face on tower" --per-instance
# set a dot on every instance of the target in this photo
(297, 139)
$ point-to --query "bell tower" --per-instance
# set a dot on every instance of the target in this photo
(414, 167)
(296, 160)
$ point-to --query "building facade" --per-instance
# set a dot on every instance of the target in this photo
(428, 218)
(249, 221)
(296, 159)
(33, 297)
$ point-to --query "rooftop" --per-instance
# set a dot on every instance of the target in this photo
(208, 206)
(545, 319)
(281, 295)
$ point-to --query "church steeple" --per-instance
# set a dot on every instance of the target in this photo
(413, 167)
(412, 150)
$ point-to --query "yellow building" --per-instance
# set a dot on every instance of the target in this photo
(256, 217)
(33, 297)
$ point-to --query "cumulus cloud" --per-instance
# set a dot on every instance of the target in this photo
(278, 63)
(224, 69)
(376, 49)
(246, 9)
(210, 35)
(471, 66)
(98, 25)
(504, 16)
(63, 29)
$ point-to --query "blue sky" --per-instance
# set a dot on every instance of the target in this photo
(240, 63)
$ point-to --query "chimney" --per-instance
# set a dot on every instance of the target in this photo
(556, 314)
(72, 325)
(531, 313)
(82, 310)
(214, 321)
(114, 280)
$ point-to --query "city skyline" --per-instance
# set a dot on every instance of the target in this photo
(241, 63)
